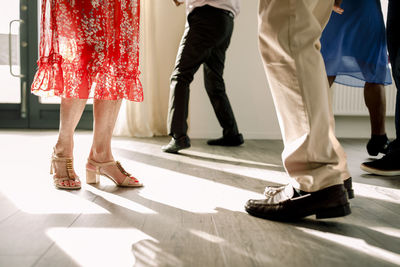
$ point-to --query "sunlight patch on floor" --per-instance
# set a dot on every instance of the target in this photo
(377, 192)
(190, 193)
(99, 246)
(356, 244)
(387, 231)
(231, 160)
(229, 246)
(207, 236)
(268, 172)
(48, 200)
(120, 201)
(259, 170)
(149, 254)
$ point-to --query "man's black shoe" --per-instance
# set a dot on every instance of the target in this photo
(326, 203)
(177, 144)
(377, 144)
(394, 146)
(388, 165)
(285, 192)
(233, 140)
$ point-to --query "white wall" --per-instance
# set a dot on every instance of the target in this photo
(249, 94)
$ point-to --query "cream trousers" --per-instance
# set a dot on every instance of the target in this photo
(289, 33)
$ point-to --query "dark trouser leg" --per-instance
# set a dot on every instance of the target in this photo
(187, 63)
(215, 85)
(207, 29)
(393, 39)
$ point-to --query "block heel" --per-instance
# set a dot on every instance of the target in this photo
(92, 177)
(338, 211)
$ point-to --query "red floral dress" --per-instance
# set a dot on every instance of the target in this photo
(89, 49)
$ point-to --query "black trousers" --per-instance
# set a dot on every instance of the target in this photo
(393, 40)
(205, 41)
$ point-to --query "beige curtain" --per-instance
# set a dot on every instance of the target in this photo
(162, 25)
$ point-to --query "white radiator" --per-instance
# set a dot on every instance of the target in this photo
(350, 100)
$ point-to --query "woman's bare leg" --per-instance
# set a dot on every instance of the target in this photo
(70, 114)
(105, 115)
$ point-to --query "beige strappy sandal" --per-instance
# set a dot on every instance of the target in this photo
(93, 177)
(59, 182)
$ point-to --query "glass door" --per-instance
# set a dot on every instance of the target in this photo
(19, 34)
(13, 72)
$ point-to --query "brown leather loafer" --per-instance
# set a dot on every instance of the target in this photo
(329, 202)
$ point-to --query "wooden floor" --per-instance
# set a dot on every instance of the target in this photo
(190, 212)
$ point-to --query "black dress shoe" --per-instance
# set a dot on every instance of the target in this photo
(378, 144)
(388, 165)
(329, 202)
(233, 140)
(177, 144)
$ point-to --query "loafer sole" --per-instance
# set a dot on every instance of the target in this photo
(333, 212)
(173, 151)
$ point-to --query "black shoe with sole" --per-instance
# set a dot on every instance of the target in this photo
(329, 202)
(377, 144)
(388, 165)
(234, 140)
(177, 144)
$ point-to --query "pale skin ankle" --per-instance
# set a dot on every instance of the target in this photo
(104, 155)
(70, 113)
(64, 148)
(99, 157)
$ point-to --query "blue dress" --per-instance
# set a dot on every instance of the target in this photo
(354, 45)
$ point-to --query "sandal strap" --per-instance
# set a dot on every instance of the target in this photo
(54, 157)
(101, 164)
(122, 170)
(68, 163)
(57, 179)
(70, 168)
(58, 182)
(127, 180)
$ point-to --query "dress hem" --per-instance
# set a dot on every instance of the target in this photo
(51, 80)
